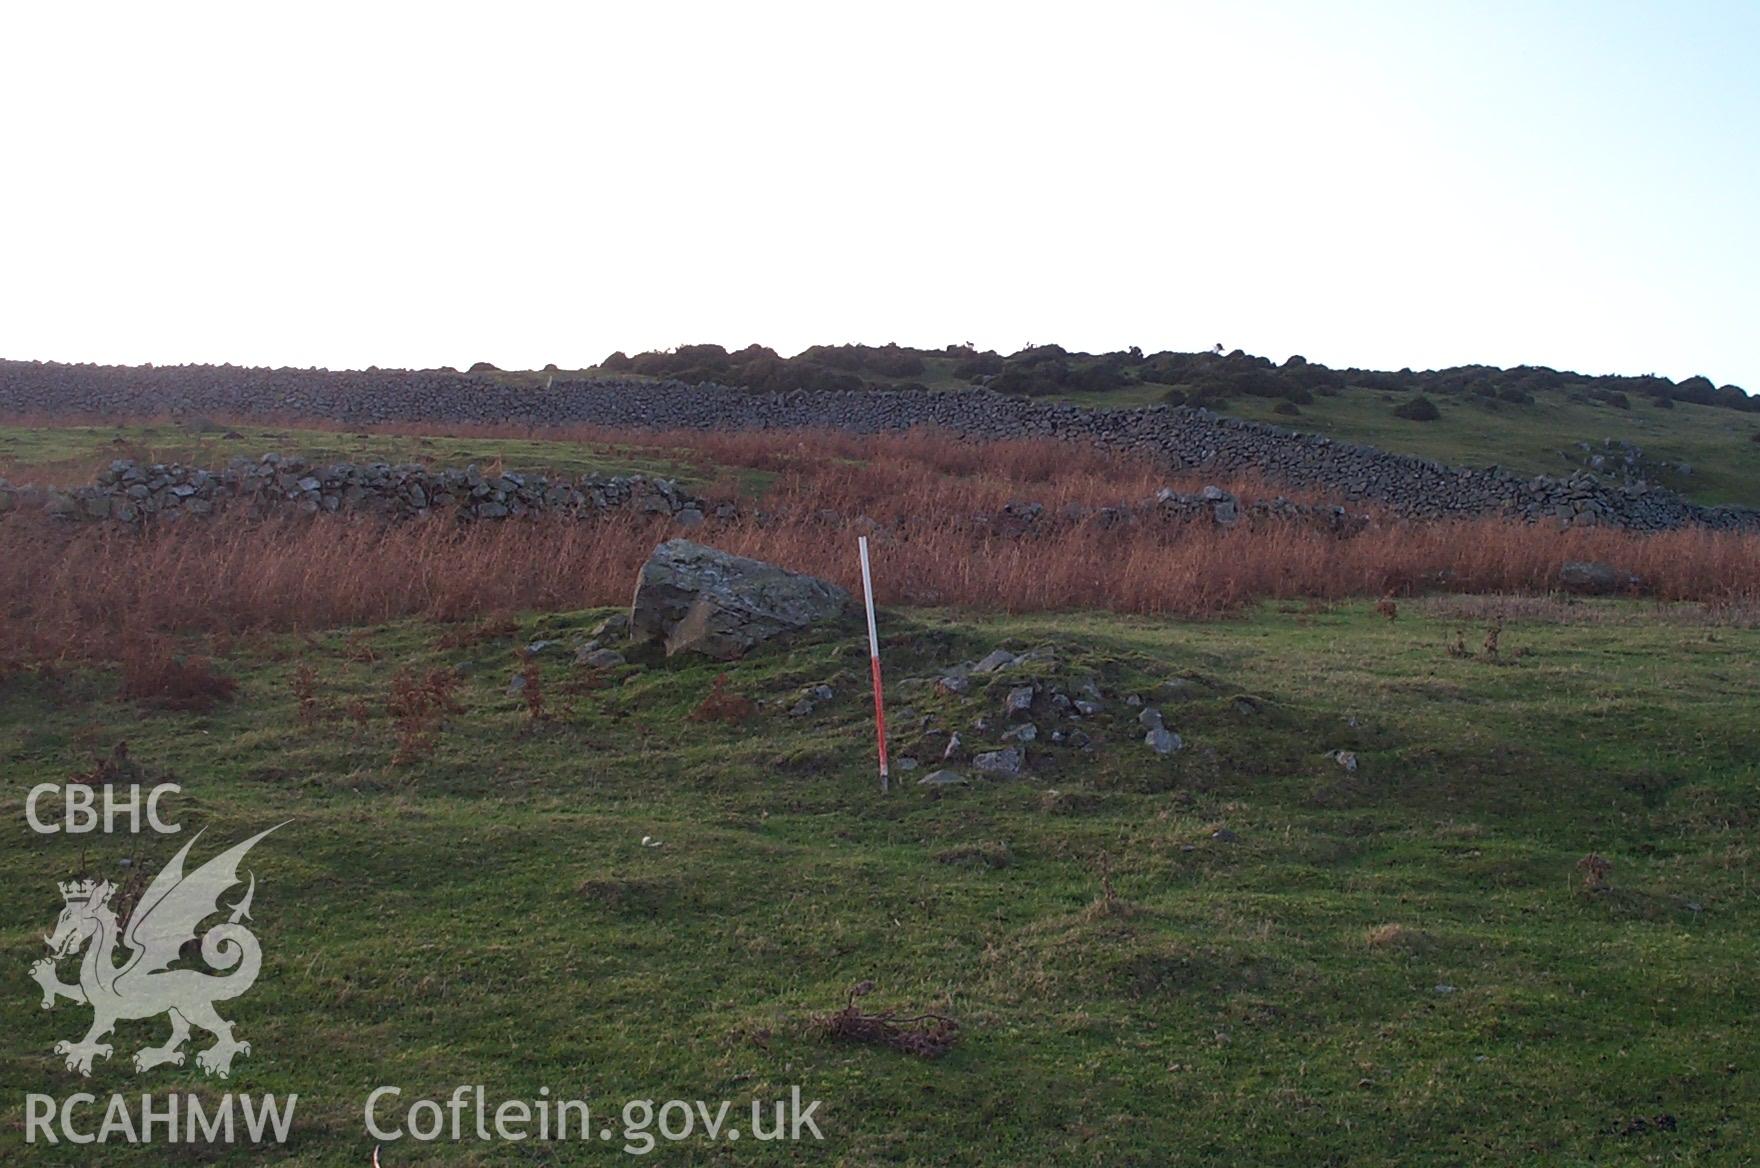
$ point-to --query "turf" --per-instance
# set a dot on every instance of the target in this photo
(66, 454)
(1543, 437)
(1394, 965)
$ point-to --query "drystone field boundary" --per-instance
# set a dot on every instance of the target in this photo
(1178, 436)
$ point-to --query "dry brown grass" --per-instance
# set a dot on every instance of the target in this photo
(822, 467)
(71, 592)
(84, 591)
(157, 672)
(1395, 936)
(416, 707)
(724, 705)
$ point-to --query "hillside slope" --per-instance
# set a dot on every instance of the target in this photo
(1706, 453)
(1699, 440)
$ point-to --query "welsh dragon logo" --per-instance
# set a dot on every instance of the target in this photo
(165, 919)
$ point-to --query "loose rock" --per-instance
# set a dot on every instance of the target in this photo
(1163, 741)
(1006, 763)
(994, 660)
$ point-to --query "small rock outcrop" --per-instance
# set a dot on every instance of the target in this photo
(698, 599)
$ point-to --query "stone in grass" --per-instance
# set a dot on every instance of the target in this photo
(1162, 740)
(952, 683)
(994, 660)
(600, 658)
(905, 763)
(1025, 732)
(954, 748)
(1006, 763)
(942, 778)
(615, 625)
(1223, 835)
(1150, 718)
(1020, 701)
(816, 695)
(1346, 759)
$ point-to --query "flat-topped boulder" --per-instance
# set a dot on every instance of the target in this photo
(698, 599)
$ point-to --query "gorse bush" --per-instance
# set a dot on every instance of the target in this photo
(1207, 378)
(1419, 409)
(760, 368)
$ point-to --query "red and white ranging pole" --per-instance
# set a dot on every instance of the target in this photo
(874, 660)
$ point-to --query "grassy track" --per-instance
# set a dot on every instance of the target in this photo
(490, 915)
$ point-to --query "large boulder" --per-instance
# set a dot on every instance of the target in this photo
(699, 599)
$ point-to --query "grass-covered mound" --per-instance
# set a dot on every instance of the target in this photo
(1241, 952)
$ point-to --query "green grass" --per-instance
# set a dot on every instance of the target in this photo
(24, 449)
(1541, 438)
(1529, 439)
(1532, 439)
(489, 915)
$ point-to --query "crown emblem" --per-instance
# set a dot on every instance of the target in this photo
(78, 890)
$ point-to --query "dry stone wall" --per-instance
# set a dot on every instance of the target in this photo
(129, 492)
(132, 493)
(1181, 437)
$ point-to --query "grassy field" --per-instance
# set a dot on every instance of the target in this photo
(1539, 438)
(1400, 964)
(1542, 438)
(69, 455)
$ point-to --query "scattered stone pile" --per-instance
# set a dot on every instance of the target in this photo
(1181, 437)
(1615, 457)
(131, 493)
(1027, 717)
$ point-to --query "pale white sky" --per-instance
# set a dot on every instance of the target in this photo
(1374, 184)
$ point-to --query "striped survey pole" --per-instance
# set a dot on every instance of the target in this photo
(874, 660)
